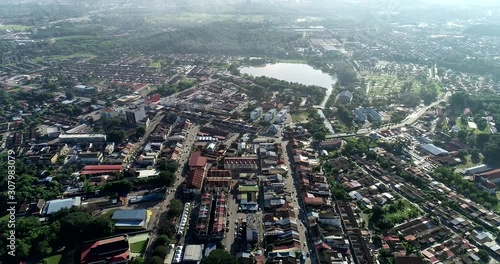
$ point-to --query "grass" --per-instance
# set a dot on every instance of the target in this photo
(63, 57)
(139, 247)
(5, 217)
(468, 164)
(459, 124)
(298, 118)
(387, 84)
(155, 64)
(109, 213)
(14, 27)
(55, 259)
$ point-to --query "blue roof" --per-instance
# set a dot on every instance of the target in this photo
(56, 205)
(139, 215)
(431, 148)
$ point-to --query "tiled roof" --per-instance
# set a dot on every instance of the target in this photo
(195, 178)
(196, 160)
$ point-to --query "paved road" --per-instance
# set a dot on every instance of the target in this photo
(292, 186)
(162, 207)
(407, 121)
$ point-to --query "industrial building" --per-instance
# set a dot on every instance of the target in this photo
(364, 114)
(59, 204)
(281, 116)
(82, 138)
(131, 219)
(193, 254)
(269, 115)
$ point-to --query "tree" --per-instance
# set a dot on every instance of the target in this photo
(219, 256)
(156, 260)
(160, 251)
(162, 240)
(70, 95)
(462, 154)
(474, 156)
(176, 207)
(140, 131)
(484, 256)
(116, 136)
(119, 187)
(166, 179)
(319, 136)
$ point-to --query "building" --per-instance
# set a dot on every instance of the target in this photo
(364, 114)
(434, 150)
(241, 163)
(281, 116)
(109, 113)
(193, 254)
(197, 160)
(203, 219)
(330, 219)
(91, 157)
(135, 114)
(114, 250)
(194, 181)
(256, 113)
(56, 205)
(83, 89)
(220, 216)
(269, 115)
(82, 138)
(96, 170)
(477, 169)
(131, 219)
(345, 97)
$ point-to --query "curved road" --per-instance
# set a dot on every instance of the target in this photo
(407, 121)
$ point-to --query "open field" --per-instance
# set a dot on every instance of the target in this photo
(64, 57)
(55, 259)
(139, 247)
(155, 64)
(459, 124)
(14, 27)
(386, 84)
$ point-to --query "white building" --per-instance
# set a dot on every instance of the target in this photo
(280, 118)
(269, 115)
(330, 219)
(136, 114)
(256, 113)
(82, 138)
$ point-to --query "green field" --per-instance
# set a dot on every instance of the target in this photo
(14, 27)
(5, 217)
(56, 259)
(139, 247)
(465, 127)
(155, 64)
(387, 84)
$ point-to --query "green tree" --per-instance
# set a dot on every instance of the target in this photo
(120, 187)
(219, 256)
(160, 251)
(166, 179)
(156, 260)
(116, 136)
(484, 256)
(176, 207)
(319, 136)
(137, 260)
(475, 157)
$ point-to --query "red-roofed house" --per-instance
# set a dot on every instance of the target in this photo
(194, 181)
(112, 250)
(314, 201)
(96, 170)
(197, 160)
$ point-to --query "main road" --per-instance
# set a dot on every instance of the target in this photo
(412, 118)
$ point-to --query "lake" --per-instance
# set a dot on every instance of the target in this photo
(299, 73)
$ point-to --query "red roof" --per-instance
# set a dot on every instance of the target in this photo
(313, 200)
(112, 249)
(195, 178)
(97, 169)
(491, 175)
(196, 160)
(219, 173)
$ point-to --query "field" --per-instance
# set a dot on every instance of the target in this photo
(138, 247)
(459, 124)
(386, 84)
(14, 27)
(155, 64)
(56, 259)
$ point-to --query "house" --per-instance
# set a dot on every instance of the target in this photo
(467, 112)
(330, 144)
(114, 250)
(194, 180)
(345, 97)
(241, 163)
(91, 157)
(131, 219)
(329, 218)
(269, 115)
(197, 161)
(56, 205)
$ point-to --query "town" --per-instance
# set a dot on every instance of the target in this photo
(349, 144)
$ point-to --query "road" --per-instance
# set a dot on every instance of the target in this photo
(292, 186)
(407, 121)
(162, 207)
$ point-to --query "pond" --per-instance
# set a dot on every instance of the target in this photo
(299, 73)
